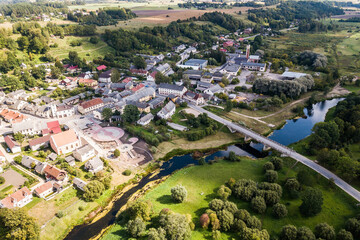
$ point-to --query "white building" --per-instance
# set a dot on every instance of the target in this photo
(167, 89)
(62, 111)
(44, 190)
(167, 111)
(18, 199)
(145, 120)
(84, 153)
(91, 105)
(94, 165)
(29, 127)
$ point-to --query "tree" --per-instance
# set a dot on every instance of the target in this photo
(156, 234)
(288, 232)
(204, 221)
(312, 202)
(139, 62)
(325, 231)
(117, 153)
(344, 235)
(19, 137)
(292, 184)
(178, 193)
(233, 157)
(271, 176)
(353, 225)
(258, 204)
(226, 219)
(141, 209)
(160, 78)
(253, 233)
(93, 190)
(268, 166)
(131, 113)
(216, 235)
(277, 162)
(136, 227)
(224, 192)
(304, 233)
(216, 205)
(305, 177)
(176, 226)
(115, 76)
(279, 210)
(16, 224)
(106, 113)
(228, 106)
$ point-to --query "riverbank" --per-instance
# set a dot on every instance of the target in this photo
(202, 182)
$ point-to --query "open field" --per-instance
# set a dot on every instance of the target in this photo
(202, 188)
(87, 50)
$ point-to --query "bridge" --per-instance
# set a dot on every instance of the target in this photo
(284, 150)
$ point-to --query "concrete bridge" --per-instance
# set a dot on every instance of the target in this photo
(284, 150)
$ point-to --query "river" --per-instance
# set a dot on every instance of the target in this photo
(293, 131)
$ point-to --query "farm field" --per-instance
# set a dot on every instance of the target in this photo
(201, 189)
(87, 50)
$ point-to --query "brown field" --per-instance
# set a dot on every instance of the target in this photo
(346, 16)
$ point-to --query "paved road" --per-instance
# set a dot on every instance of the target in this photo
(285, 150)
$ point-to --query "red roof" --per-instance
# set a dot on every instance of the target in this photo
(126, 80)
(138, 87)
(55, 173)
(19, 195)
(73, 67)
(138, 71)
(39, 140)
(46, 186)
(11, 142)
(91, 103)
(100, 68)
(2, 154)
(54, 127)
(153, 74)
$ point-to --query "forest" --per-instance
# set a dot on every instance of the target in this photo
(24, 9)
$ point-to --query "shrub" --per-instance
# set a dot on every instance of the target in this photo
(324, 231)
(277, 162)
(2, 180)
(226, 219)
(353, 225)
(224, 192)
(81, 208)
(216, 205)
(258, 204)
(178, 193)
(288, 232)
(204, 221)
(60, 214)
(216, 235)
(268, 166)
(135, 227)
(344, 235)
(117, 153)
(292, 184)
(140, 209)
(312, 202)
(127, 172)
(304, 233)
(279, 210)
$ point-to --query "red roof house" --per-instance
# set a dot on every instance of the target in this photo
(228, 44)
(54, 127)
(138, 87)
(100, 68)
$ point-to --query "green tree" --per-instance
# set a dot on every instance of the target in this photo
(312, 202)
(279, 210)
(344, 235)
(288, 232)
(19, 137)
(268, 166)
(136, 227)
(304, 233)
(176, 226)
(271, 176)
(93, 190)
(277, 162)
(117, 153)
(115, 76)
(156, 234)
(224, 192)
(131, 113)
(253, 233)
(178, 193)
(140, 209)
(258, 204)
(325, 231)
(16, 224)
(353, 225)
(106, 113)
(139, 62)
(228, 106)
(226, 219)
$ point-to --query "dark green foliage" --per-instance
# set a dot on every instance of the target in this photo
(93, 190)
(178, 193)
(288, 232)
(224, 192)
(16, 224)
(353, 225)
(268, 166)
(277, 162)
(136, 227)
(305, 233)
(216, 204)
(139, 62)
(141, 209)
(279, 210)
(305, 177)
(254, 233)
(233, 157)
(271, 176)
(156, 234)
(258, 204)
(226, 219)
(344, 235)
(106, 113)
(325, 231)
(176, 226)
(127, 172)
(312, 202)
(131, 114)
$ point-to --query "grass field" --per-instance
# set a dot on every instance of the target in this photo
(202, 182)
(87, 50)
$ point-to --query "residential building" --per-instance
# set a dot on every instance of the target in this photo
(167, 89)
(194, 98)
(142, 106)
(29, 162)
(44, 190)
(52, 128)
(84, 153)
(18, 199)
(292, 75)
(167, 111)
(53, 173)
(17, 94)
(231, 69)
(91, 105)
(196, 64)
(214, 89)
(88, 82)
(156, 102)
(143, 95)
(105, 77)
(79, 183)
(193, 74)
(36, 143)
(94, 165)
(165, 69)
(12, 144)
(62, 111)
(101, 68)
(11, 116)
(65, 142)
(145, 120)
(70, 160)
(254, 66)
(33, 127)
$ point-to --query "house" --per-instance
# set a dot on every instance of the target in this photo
(143, 95)
(88, 82)
(44, 190)
(53, 173)
(165, 69)
(17, 94)
(151, 76)
(194, 98)
(195, 64)
(70, 160)
(52, 128)
(84, 153)
(29, 127)
(52, 156)
(65, 142)
(214, 89)
(18, 199)
(137, 87)
(167, 89)
(228, 44)
(94, 165)
(193, 74)
(37, 143)
(101, 68)
(91, 105)
(11, 116)
(62, 111)
(69, 82)
(79, 183)
(156, 102)
(140, 72)
(180, 48)
(29, 162)
(167, 111)
(105, 77)
(12, 144)
(202, 86)
(231, 69)
(292, 75)
(145, 120)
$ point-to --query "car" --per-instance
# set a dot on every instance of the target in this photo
(8, 150)
(82, 117)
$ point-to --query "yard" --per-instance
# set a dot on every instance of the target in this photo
(202, 182)
(12, 178)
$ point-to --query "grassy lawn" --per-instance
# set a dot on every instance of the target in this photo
(352, 88)
(87, 48)
(202, 182)
(35, 201)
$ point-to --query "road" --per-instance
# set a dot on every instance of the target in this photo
(285, 150)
